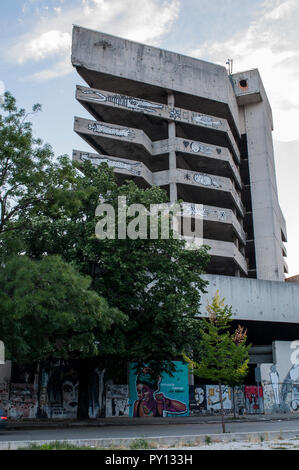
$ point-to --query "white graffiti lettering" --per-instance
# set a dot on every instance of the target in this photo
(206, 180)
(131, 167)
(206, 120)
(196, 147)
(103, 129)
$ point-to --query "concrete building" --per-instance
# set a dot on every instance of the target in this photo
(186, 125)
(162, 118)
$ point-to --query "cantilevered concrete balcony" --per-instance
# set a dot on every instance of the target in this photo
(223, 252)
(219, 223)
(225, 257)
(202, 188)
(128, 142)
(121, 166)
(119, 141)
(195, 155)
(129, 68)
(152, 117)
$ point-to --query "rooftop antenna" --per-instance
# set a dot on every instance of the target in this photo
(230, 62)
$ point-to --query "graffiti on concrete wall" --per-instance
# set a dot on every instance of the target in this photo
(196, 147)
(109, 130)
(197, 399)
(22, 401)
(175, 113)
(254, 401)
(239, 400)
(152, 395)
(206, 120)
(117, 400)
(206, 180)
(133, 168)
(281, 379)
(193, 210)
(60, 393)
(4, 395)
(123, 100)
(213, 398)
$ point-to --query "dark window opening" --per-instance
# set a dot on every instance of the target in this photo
(243, 83)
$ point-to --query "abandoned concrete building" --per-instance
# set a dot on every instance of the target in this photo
(187, 125)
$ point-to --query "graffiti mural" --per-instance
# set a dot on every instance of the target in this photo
(239, 400)
(196, 147)
(159, 396)
(4, 395)
(197, 399)
(22, 401)
(175, 113)
(206, 120)
(193, 210)
(123, 100)
(206, 180)
(133, 168)
(281, 380)
(254, 402)
(104, 129)
(117, 400)
(213, 398)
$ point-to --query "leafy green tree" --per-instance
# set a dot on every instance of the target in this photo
(156, 282)
(31, 181)
(48, 312)
(220, 356)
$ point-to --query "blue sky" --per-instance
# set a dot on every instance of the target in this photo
(35, 38)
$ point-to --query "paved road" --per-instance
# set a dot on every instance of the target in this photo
(144, 431)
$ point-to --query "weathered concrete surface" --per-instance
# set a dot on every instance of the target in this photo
(113, 56)
(255, 299)
(184, 114)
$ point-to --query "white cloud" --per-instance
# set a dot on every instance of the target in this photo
(48, 43)
(271, 44)
(61, 68)
(146, 22)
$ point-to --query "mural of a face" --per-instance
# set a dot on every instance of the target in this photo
(144, 392)
(70, 395)
(199, 395)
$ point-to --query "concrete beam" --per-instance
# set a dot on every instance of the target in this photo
(191, 147)
(255, 299)
(211, 214)
(222, 249)
(100, 99)
(99, 54)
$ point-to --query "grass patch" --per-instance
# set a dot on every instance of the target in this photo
(57, 445)
(139, 444)
(208, 440)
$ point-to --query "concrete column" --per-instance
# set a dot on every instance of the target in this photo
(172, 155)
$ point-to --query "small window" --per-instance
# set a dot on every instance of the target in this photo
(243, 84)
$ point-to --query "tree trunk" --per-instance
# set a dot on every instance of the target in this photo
(234, 402)
(222, 411)
(84, 371)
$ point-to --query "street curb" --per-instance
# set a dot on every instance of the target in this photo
(134, 422)
(160, 442)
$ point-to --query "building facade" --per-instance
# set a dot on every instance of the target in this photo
(177, 122)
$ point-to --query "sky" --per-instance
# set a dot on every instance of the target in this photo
(35, 66)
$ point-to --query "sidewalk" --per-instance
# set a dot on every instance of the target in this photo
(127, 421)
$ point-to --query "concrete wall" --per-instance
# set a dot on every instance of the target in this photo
(254, 299)
(146, 64)
(280, 379)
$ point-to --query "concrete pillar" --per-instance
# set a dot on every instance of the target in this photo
(172, 155)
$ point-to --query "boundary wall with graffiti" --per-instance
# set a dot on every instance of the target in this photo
(54, 394)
